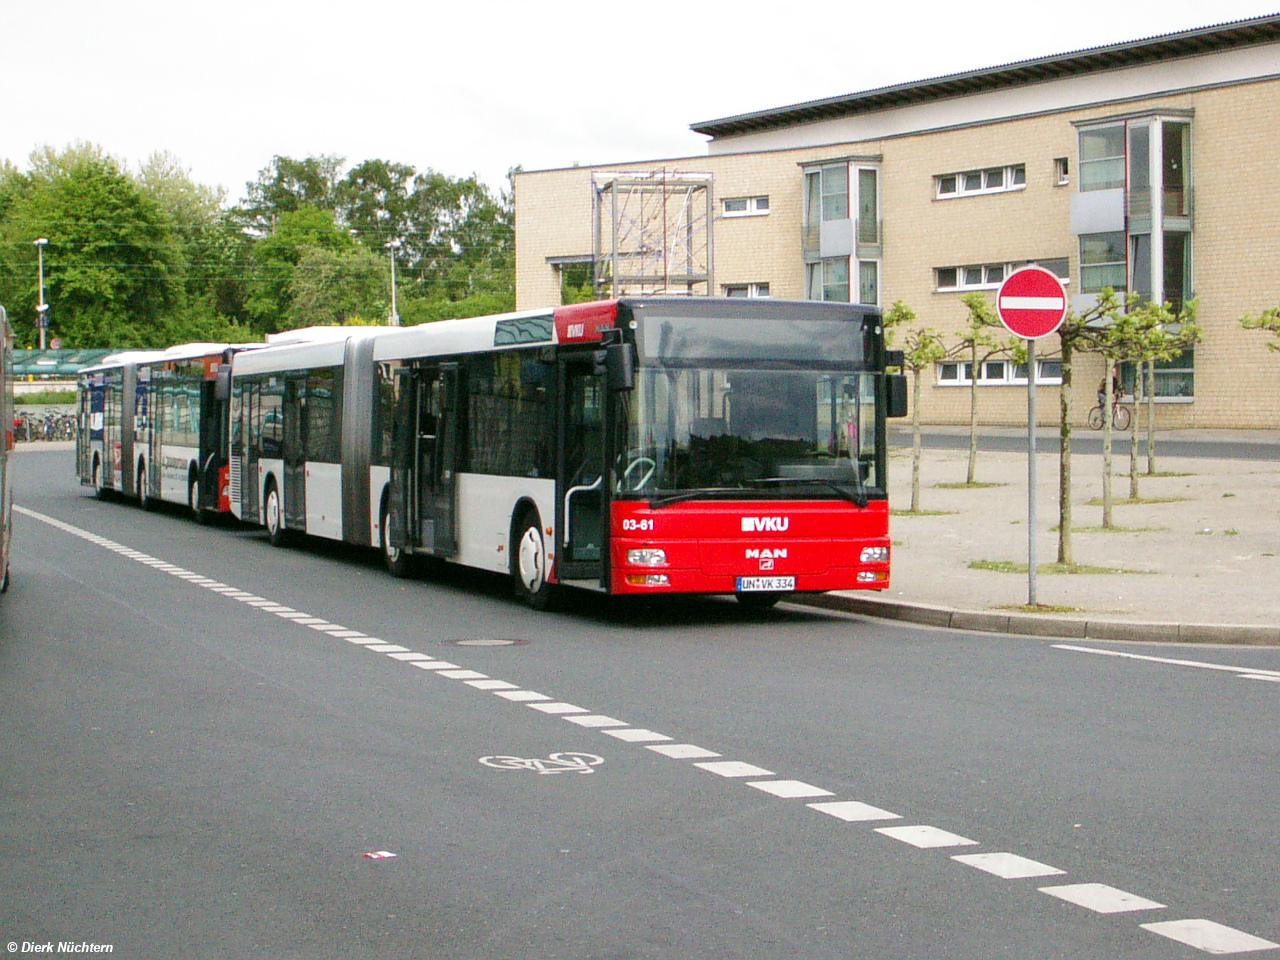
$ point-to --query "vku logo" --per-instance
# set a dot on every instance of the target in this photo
(765, 524)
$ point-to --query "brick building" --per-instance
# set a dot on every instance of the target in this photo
(1145, 166)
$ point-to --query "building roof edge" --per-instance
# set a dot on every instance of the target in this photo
(1186, 43)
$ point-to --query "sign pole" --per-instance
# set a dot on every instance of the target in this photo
(1031, 303)
(1031, 473)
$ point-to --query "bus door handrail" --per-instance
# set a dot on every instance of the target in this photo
(582, 488)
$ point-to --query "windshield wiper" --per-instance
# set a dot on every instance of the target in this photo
(710, 492)
(857, 496)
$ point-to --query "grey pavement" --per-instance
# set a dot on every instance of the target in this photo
(1195, 560)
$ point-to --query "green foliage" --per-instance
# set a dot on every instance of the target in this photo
(153, 258)
(1268, 320)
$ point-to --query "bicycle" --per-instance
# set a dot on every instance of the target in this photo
(1120, 416)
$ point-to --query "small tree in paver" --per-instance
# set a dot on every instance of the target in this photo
(978, 341)
(1078, 331)
(1142, 332)
(921, 349)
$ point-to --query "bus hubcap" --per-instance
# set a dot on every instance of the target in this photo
(530, 559)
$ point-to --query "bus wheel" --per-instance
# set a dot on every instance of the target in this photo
(99, 488)
(758, 601)
(144, 489)
(276, 532)
(529, 565)
(193, 500)
(399, 563)
(4, 586)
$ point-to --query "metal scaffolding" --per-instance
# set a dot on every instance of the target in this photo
(653, 233)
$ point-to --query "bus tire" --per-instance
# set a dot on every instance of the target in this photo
(145, 500)
(193, 499)
(529, 563)
(273, 515)
(4, 585)
(398, 561)
(758, 601)
(99, 488)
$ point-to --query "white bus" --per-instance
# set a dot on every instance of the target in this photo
(153, 425)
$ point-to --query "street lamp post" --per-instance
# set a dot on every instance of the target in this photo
(392, 246)
(42, 308)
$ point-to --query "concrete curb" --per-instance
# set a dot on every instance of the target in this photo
(1033, 625)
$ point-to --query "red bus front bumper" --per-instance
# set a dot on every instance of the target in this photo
(728, 546)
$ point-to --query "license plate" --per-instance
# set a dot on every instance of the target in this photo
(765, 584)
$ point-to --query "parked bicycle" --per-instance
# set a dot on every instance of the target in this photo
(1120, 416)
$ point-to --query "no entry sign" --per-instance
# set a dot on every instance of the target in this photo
(1031, 303)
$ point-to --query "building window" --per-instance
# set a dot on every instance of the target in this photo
(982, 276)
(1102, 158)
(829, 279)
(746, 207)
(752, 290)
(995, 373)
(1175, 379)
(869, 282)
(1102, 262)
(1061, 171)
(827, 194)
(971, 182)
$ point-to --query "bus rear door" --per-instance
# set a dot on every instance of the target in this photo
(425, 460)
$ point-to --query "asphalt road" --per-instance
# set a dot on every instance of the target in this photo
(203, 738)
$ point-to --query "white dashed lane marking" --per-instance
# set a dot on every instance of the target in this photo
(1100, 898)
(790, 789)
(1204, 935)
(1209, 936)
(926, 837)
(1008, 866)
(853, 811)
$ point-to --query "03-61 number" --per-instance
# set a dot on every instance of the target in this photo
(637, 524)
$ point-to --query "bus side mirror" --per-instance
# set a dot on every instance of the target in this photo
(222, 383)
(895, 358)
(896, 399)
(620, 366)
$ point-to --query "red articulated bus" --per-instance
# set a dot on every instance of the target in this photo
(635, 446)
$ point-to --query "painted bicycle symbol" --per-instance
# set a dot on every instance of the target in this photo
(566, 762)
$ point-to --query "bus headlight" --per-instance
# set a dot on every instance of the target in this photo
(875, 555)
(647, 557)
(873, 576)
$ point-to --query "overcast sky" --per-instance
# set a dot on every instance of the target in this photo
(481, 86)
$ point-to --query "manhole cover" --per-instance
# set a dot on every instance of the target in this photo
(486, 642)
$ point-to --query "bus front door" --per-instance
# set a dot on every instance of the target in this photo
(582, 502)
(294, 453)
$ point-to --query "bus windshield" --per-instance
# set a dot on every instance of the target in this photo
(788, 433)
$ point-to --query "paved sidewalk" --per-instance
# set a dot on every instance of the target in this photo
(1200, 556)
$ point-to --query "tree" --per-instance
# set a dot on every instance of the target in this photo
(114, 270)
(1077, 331)
(978, 341)
(1269, 321)
(287, 185)
(335, 287)
(277, 255)
(922, 348)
